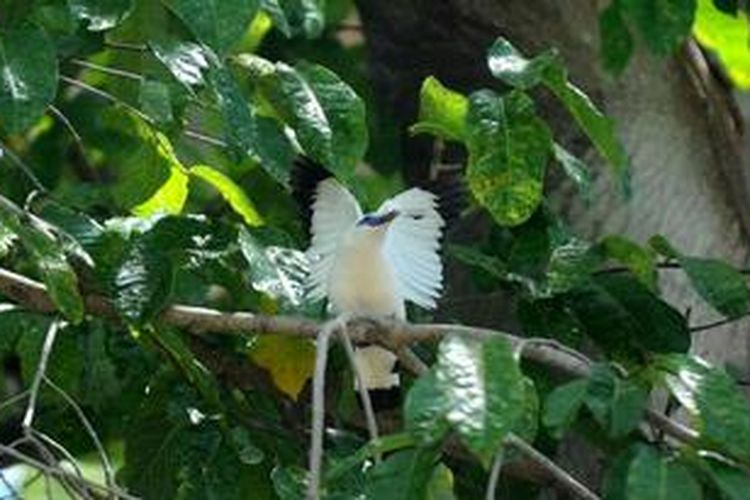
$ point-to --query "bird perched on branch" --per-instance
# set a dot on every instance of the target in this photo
(371, 263)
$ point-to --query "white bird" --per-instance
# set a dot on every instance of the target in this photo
(373, 263)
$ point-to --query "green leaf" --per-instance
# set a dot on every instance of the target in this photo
(508, 65)
(404, 475)
(473, 257)
(616, 477)
(615, 403)
(570, 265)
(616, 41)
(508, 151)
(562, 405)
(425, 410)
(66, 362)
(293, 17)
(442, 111)
(170, 197)
(440, 486)
(626, 319)
(154, 101)
(248, 134)
(231, 192)
(725, 34)
(484, 391)
(575, 169)
(732, 482)
(49, 256)
(654, 477)
(143, 283)
(27, 84)
(639, 260)
(550, 317)
(721, 412)
(101, 14)
(7, 237)
(663, 25)
(718, 283)
(326, 114)
(185, 60)
(217, 24)
(289, 483)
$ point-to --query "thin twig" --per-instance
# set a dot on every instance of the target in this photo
(108, 70)
(107, 96)
(49, 341)
(563, 479)
(109, 474)
(372, 424)
(22, 166)
(135, 47)
(66, 455)
(200, 136)
(318, 407)
(494, 477)
(73, 132)
(714, 324)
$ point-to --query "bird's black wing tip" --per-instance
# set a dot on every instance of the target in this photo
(305, 176)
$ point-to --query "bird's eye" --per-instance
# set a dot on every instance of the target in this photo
(417, 216)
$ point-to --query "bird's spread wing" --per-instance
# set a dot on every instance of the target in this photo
(412, 246)
(334, 211)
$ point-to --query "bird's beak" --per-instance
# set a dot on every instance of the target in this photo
(388, 217)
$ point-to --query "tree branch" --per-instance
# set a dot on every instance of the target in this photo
(396, 335)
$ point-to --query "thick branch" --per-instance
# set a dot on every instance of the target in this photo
(395, 335)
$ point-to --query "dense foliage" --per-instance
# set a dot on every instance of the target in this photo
(145, 154)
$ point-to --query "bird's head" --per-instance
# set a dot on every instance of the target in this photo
(377, 222)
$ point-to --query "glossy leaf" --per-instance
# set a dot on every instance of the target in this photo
(7, 237)
(562, 405)
(625, 318)
(575, 169)
(289, 360)
(484, 391)
(718, 283)
(27, 84)
(654, 477)
(276, 271)
(616, 41)
(143, 283)
(101, 14)
(297, 17)
(442, 111)
(144, 170)
(662, 25)
(508, 65)
(185, 60)
(508, 151)
(217, 24)
(260, 138)
(326, 114)
(231, 192)
(425, 410)
(716, 403)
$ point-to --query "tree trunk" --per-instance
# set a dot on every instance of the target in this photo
(676, 120)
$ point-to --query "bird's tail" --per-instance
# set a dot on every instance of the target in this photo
(378, 369)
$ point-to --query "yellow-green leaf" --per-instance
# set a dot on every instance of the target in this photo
(169, 198)
(231, 192)
(728, 36)
(289, 360)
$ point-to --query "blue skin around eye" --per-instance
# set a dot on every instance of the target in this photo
(370, 220)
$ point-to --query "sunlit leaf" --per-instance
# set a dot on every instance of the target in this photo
(231, 192)
(639, 260)
(169, 198)
(27, 84)
(727, 35)
(185, 60)
(718, 407)
(508, 151)
(442, 111)
(484, 391)
(289, 360)
(575, 169)
(326, 114)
